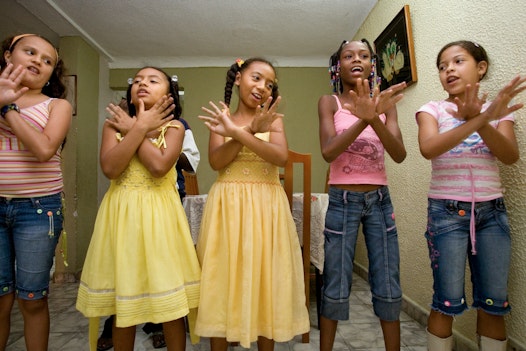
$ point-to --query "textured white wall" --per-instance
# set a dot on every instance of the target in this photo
(500, 28)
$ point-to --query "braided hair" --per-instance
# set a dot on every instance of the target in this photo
(334, 68)
(240, 66)
(173, 87)
(374, 79)
(55, 88)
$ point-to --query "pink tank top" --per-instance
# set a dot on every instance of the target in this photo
(21, 174)
(363, 161)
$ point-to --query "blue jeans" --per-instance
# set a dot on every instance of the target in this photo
(346, 211)
(29, 232)
(448, 240)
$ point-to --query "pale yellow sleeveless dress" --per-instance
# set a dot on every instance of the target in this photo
(252, 272)
(141, 264)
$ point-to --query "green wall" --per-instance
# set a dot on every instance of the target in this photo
(80, 153)
(300, 89)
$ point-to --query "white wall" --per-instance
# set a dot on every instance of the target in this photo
(500, 28)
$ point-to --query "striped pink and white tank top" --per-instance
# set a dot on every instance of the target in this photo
(468, 172)
(21, 174)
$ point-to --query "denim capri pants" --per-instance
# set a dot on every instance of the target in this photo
(374, 211)
(29, 233)
(448, 240)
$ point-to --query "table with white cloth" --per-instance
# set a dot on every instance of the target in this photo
(194, 206)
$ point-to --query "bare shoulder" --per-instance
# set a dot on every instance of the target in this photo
(175, 123)
(327, 106)
(327, 100)
(60, 104)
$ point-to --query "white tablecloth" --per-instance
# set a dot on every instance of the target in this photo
(194, 206)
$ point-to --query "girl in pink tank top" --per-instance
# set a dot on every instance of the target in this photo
(33, 126)
(357, 124)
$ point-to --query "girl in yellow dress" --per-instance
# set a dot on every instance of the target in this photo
(141, 264)
(252, 274)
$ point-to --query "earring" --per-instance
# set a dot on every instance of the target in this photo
(47, 84)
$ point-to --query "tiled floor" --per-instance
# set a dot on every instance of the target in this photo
(69, 329)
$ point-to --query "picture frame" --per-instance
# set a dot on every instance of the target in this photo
(396, 52)
(70, 82)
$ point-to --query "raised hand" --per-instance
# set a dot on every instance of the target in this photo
(367, 106)
(265, 116)
(389, 97)
(499, 106)
(157, 115)
(363, 105)
(10, 88)
(120, 120)
(471, 105)
(218, 120)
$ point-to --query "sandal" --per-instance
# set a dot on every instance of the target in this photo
(104, 344)
(158, 340)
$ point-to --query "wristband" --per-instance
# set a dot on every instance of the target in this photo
(7, 108)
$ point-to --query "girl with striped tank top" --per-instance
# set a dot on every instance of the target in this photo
(33, 126)
(464, 136)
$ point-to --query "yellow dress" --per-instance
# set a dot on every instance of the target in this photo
(141, 264)
(252, 273)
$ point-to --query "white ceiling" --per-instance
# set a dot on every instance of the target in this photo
(186, 33)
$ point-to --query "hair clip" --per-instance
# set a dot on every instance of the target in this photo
(175, 79)
(130, 81)
(239, 62)
(476, 44)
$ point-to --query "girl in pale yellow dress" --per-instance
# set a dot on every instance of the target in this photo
(252, 275)
(141, 264)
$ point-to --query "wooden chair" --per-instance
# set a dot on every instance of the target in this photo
(317, 273)
(190, 183)
(288, 184)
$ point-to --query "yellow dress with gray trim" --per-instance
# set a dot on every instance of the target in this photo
(252, 272)
(141, 264)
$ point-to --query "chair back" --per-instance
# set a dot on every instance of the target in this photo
(288, 184)
(190, 183)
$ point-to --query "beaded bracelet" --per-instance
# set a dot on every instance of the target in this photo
(7, 108)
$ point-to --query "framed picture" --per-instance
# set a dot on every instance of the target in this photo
(396, 52)
(71, 91)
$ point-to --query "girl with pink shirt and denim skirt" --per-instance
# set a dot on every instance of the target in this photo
(464, 136)
(34, 121)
